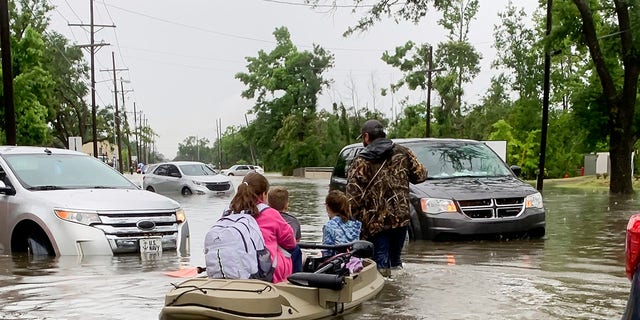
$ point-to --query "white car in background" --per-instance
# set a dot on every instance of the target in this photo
(187, 178)
(258, 169)
(239, 170)
(60, 202)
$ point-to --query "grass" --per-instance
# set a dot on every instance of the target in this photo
(582, 182)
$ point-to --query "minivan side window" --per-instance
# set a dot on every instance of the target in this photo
(343, 162)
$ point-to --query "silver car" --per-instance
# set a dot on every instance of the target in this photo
(63, 202)
(238, 170)
(187, 178)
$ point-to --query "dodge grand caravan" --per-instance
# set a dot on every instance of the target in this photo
(63, 202)
(469, 191)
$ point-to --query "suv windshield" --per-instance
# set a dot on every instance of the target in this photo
(64, 171)
(459, 159)
(196, 170)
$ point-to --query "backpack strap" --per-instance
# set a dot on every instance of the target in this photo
(262, 206)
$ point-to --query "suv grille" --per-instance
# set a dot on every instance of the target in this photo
(218, 186)
(123, 233)
(492, 208)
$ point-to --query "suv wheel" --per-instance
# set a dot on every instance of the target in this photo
(151, 189)
(38, 246)
(186, 191)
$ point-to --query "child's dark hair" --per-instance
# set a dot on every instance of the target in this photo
(338, 202)
(246, 198)
(278, 198)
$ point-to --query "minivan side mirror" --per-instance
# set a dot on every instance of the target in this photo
(516, 170)
(6, 190)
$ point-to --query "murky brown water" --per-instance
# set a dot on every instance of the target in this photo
(577, 272)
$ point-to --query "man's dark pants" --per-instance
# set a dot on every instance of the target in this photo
(387, 246)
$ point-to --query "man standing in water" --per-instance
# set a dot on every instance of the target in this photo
(378, 190)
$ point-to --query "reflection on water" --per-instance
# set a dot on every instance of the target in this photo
(576, 272)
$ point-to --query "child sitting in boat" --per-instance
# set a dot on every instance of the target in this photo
(275, 230)
(341, 227)
(278, 198)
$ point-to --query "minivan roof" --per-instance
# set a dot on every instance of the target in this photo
(412, 140)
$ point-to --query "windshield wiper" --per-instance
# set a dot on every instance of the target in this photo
(103, 187)
(50, 187)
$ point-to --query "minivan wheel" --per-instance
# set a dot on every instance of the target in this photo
(186, 191)
(415, 230)
(537, 233)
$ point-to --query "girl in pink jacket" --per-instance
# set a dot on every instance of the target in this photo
(277, 233)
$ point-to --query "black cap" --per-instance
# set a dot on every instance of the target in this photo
(373, 128)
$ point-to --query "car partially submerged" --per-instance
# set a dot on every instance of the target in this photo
(63, 202)
(187, 178)
(469, 192)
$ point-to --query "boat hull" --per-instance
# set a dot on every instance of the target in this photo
(203, 298)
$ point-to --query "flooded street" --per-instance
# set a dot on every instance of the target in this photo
(576, 272)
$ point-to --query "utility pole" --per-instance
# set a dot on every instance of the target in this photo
(135, 131)
(126, 122)
(92, 51)
(117, 113)
(429, 71)
(545, 103)
(253, 156)
(146, 143)
(7, 75)
(219, 132)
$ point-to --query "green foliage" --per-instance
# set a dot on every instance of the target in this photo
(33, 89)
(195, 149)
(285, 84)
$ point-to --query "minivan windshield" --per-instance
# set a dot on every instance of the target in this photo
(196, 170)
(459, 159)
(65, 171)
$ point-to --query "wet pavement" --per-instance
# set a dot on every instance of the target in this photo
(576, 272)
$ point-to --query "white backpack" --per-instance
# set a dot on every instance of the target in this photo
(234, 249)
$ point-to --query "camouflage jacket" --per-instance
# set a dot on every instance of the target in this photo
(381, 201)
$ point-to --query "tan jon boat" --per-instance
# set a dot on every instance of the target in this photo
(304, 296)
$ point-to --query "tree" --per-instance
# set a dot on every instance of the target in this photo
(69, 115)
(610, 30)
(33, 84)
(285, 84)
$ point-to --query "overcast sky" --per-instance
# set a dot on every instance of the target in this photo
(182, 56)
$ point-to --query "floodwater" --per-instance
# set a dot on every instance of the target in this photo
(576, 272)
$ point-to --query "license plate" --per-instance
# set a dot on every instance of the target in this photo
(151, 245)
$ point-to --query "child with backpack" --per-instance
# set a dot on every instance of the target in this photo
(250, 200)
(278, 198)
(341, 227)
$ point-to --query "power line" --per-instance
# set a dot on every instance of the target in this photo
(311, 5)
(229, 35)
(189, 26)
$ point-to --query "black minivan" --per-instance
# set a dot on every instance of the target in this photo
(469, 191)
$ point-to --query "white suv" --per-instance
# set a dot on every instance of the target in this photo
(62, 202)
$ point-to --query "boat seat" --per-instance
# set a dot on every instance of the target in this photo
(317, 280)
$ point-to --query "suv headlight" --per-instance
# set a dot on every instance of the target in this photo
(82, 217)
(437, 206)
(180, 216)
(198, 183)
(533, 201)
